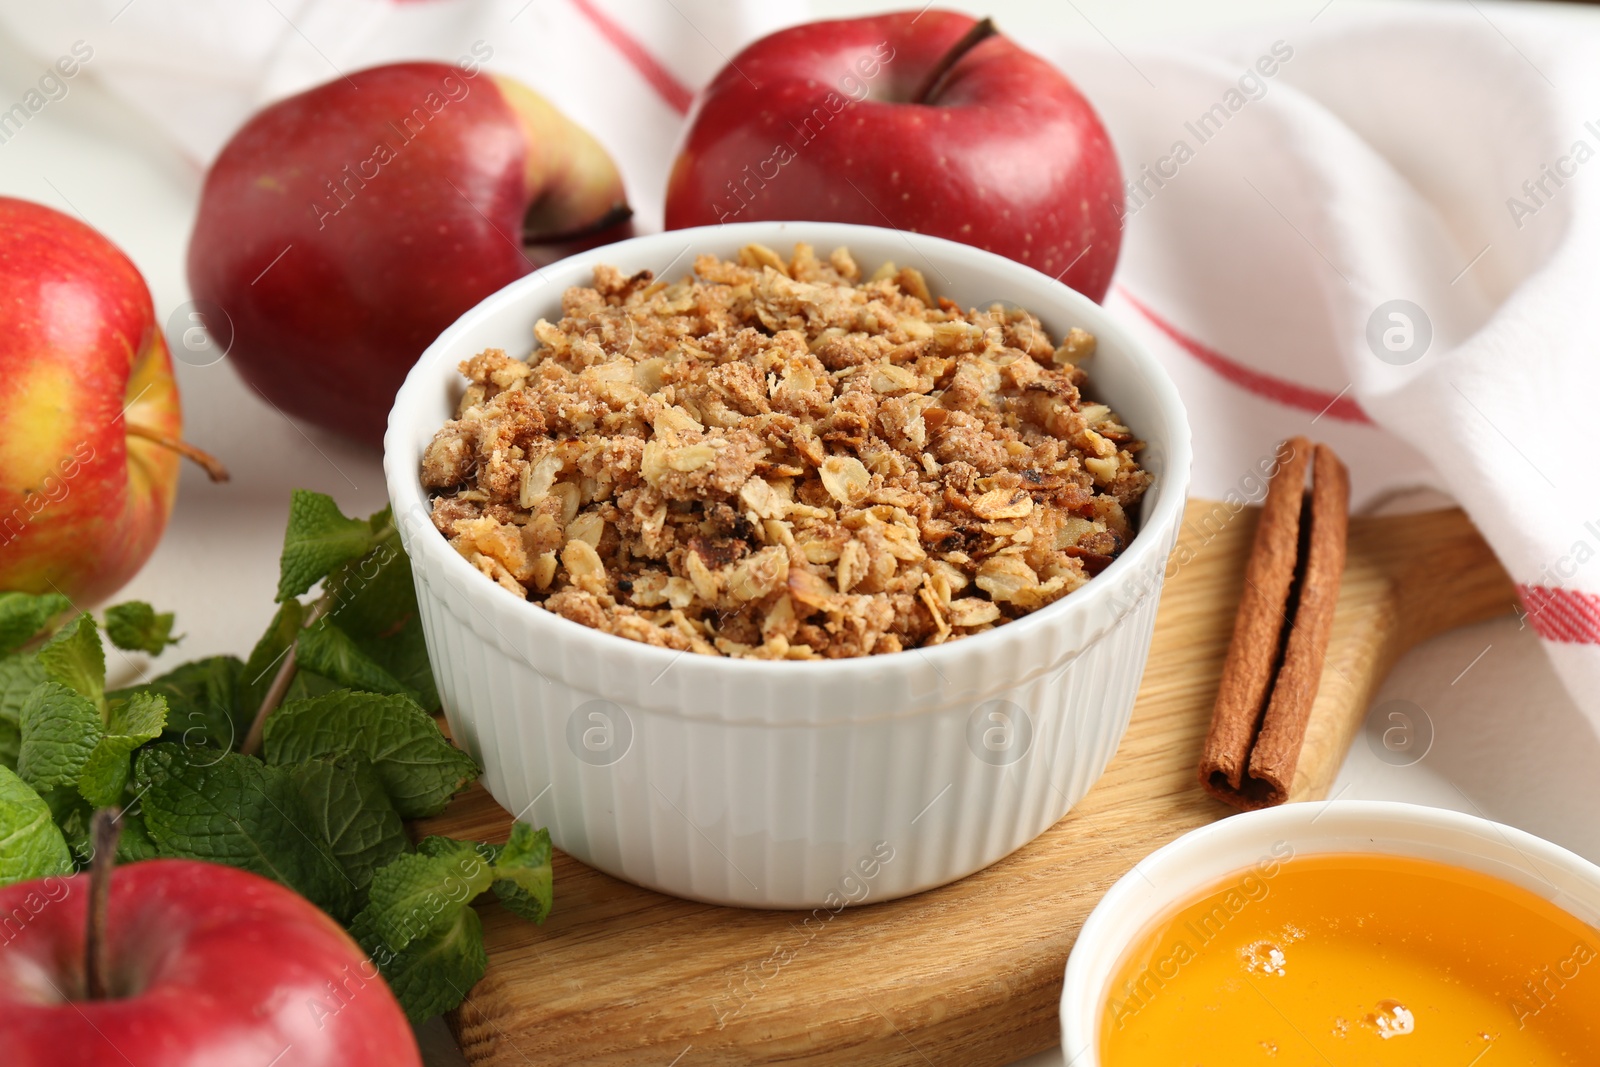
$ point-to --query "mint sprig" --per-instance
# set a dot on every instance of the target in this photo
(300, 763)
(346, 803)
(327, 650)
(20, 675)
(204, 705)
(60, 728)
(233, 809)
(419, 926)
(76, 659)
(137, 627)
(70, 734)
(420, 893)
(523, 876)
(31, 845)
(433, 973)
(23, 616)
(319, 539)
(419, 769)
(129, 724)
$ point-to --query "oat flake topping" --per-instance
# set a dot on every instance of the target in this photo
(780, 460)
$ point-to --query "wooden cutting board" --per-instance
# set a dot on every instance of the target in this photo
(969, 974)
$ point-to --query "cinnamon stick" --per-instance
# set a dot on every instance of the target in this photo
(1283, 728)
(1281, 631)
(1258, 626)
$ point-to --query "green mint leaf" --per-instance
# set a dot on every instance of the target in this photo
(404, 654)
(350, 810)
(134, 844)
(60, 729)
(433, 973)
(522, 873)
(202, 702)
(307, 684)
(30, 844)
(233, 809)
(10, 743)
(373, 596)
(137, 627)
(20, 675)
(143, 715)
(421, 892)
(134, 721)
(266, 658)
(71, 814)
(435, 845)
(374, 601)
(23, 616)
(318, 539)
(420, 769)
(329, 651)
(75, 658)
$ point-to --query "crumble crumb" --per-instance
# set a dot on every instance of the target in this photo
(784, 460)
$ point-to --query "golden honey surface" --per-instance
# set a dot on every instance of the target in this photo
(1360, 960)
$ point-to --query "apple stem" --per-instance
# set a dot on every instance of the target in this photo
(280, 682)
(213, 466)
(616, 215)
(105, 828)
(980, 31)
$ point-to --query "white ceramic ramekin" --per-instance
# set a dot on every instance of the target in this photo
(1202, 859)
(790, 784)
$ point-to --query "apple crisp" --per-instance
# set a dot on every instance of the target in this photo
(784, 460)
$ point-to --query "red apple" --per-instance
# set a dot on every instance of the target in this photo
(207, 966)
(344, 228)
(924, 121)
(89, 417)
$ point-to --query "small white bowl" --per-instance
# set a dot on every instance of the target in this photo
(1197, 862)
(790, 784)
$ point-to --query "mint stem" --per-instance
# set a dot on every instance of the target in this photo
(280, 682)
(105, 828)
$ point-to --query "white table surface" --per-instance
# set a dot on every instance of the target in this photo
(1507, 742)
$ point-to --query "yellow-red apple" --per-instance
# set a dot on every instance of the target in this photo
(90, 425)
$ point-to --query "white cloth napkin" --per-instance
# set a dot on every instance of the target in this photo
(1379, 230)
(1385, 234)
(623, 69)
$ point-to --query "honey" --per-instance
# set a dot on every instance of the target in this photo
(1359, 960)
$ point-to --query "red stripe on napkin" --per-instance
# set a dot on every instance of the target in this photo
(1565, 615)
(662, 80)
(1278, 390)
